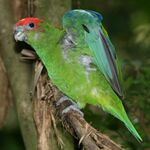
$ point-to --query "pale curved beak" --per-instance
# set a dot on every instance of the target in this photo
(19, 34)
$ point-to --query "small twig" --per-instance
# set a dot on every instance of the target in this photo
(59, 140)
(38, 70)
(43, 124)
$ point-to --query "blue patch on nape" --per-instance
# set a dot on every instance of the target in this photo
(100, 17)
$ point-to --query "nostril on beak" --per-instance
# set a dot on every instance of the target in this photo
(19, 35)
(18, 29)
(16, 34)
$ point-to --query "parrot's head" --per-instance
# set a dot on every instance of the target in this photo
(25, 25)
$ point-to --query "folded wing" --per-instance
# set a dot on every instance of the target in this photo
(87, 27)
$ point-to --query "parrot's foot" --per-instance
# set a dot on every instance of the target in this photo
(72, 107)
(64, 98)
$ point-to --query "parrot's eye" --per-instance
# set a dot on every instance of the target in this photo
(31, 25)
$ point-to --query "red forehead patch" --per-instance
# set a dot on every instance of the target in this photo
(26, 21)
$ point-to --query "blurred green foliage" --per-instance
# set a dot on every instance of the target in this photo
(128, 24)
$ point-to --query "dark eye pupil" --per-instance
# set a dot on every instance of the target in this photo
(31, 25)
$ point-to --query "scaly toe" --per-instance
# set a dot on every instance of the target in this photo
(64, 98)
(72, 107)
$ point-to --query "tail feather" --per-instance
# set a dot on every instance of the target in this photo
(131, 128)
(124, 118)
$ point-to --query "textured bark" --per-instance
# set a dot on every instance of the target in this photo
(19, 73)
(50, 134)
(4, 93)
(90, 138)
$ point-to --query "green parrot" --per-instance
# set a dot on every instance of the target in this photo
(80, 59)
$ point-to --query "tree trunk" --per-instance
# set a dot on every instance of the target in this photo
(20, 73)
